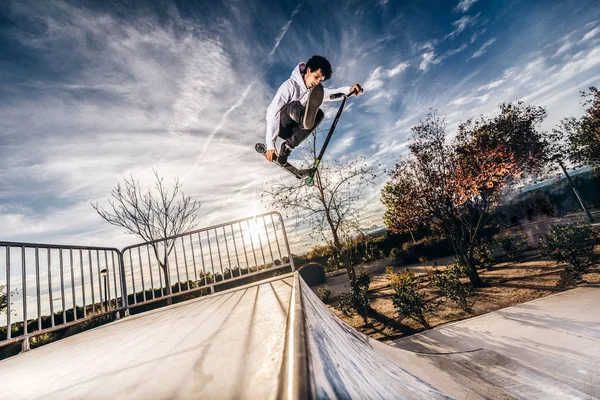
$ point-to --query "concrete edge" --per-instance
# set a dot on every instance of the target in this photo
(294, 375)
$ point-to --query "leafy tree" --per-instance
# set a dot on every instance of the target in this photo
(152, 215)
(457, 186)
(583, 134)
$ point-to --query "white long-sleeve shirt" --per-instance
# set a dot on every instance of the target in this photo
(292, 89)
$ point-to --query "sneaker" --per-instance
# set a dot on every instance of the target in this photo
(284, 153)
(315, 98)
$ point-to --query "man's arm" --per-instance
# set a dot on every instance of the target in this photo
(282, 97)
(346, 89)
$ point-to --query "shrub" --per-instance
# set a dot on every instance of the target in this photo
(3, 300)
(396, 253)
(429, 247)
(572, 244)
(511, 244)
(312, 273)
(358, 250)
(448, 282)
(483, 255)
(363, 249)
(324, 293)
(357, 300)
(407, 300)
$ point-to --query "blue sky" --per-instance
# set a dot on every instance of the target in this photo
(91, 92)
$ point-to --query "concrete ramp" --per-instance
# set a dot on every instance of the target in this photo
(276, 340)
(269, 340)
(344, 365)
(225, 346)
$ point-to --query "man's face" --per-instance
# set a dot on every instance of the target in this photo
(313, 78)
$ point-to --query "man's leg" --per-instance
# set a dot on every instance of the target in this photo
(290, 128)
(299, 135)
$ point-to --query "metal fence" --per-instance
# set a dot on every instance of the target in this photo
(45, 287)
(204, 258)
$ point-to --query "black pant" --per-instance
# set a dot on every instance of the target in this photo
(290, 121)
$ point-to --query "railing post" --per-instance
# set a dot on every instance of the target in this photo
(287, 244)
(124, 296)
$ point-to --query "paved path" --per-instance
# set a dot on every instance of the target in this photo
(544, 349)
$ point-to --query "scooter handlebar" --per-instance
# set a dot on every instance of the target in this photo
(340, 95)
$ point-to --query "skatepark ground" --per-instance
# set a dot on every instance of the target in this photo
(275, 339)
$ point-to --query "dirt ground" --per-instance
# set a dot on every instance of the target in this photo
(510, 282)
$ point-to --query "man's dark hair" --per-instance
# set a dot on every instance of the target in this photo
(319, 62)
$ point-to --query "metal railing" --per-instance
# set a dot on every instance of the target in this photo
(205, 257)
(69, 285)
(65, 285)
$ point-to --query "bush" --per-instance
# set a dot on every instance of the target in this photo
(511, 244)
(312, 273)
(359, 250)
(483, 255)
(572, 244)
(357, 300)
(407, 300)
(324, 293)
(3, 300)
(363, 249)
(428, 247)
(396, 253)
(448, 282)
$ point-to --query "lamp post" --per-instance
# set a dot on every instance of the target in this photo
(587, 211)
(104, 274)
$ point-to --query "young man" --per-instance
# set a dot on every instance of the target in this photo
(294, 111)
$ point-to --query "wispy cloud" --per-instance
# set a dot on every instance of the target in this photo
(591, 34)
(246, 91)
(464, 5)
(378, 77)
(149, 96)
(477, 34)
(482, 49)
(427, 59)
(186, 94)
(461, 24)
(397, 69)
(284, 29)
(457, 50)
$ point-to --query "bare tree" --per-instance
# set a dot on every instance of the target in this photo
(152, 215)
(331, 208)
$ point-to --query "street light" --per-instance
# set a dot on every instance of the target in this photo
(104, 274)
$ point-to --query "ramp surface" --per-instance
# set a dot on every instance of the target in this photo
(240, 344)
(224, 346)
(276, 339)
